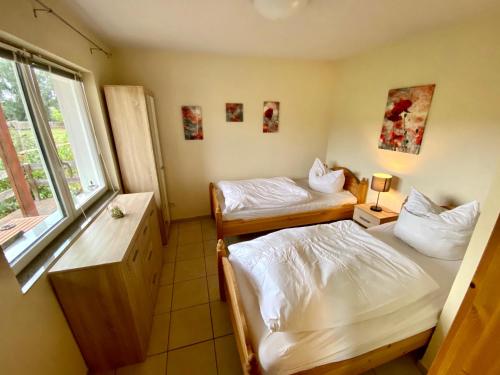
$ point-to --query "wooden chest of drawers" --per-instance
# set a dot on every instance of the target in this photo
(107, 283)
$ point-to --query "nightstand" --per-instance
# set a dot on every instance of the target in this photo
(368, 218)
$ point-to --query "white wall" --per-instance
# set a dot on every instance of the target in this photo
(34, 335)
(463, 128)
(231, 150)
(459, 158)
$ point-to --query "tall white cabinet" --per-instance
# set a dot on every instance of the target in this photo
(132, 113)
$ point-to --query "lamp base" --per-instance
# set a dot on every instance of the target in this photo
(376, 208)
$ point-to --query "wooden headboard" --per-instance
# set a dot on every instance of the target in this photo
(358, 188)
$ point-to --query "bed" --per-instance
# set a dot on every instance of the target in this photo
(322, 208)
(341, 350)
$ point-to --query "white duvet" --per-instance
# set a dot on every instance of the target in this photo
(261, 193)
(327, 276)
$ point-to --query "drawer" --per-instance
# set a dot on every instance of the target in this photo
(365, 219)
(134, 257)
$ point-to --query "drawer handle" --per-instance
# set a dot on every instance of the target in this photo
(365, 220)
(145, 230)
(149, 256)
(135, 255)
(154, 278)
(151, 213)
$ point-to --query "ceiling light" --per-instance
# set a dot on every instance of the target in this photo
(278, 9)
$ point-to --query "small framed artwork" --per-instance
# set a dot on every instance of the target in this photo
(192, 122)
(271, 119)
(405, 117)
(234, 112)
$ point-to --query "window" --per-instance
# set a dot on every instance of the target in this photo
(50, 168)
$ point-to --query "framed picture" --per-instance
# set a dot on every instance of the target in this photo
(405, 117)
(192, 122)
(234, 112)
(271, 118)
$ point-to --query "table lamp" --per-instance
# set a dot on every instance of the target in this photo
(381, 182)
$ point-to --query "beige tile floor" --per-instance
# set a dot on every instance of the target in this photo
(192, 332)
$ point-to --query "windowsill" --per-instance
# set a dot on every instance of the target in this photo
(43, 261)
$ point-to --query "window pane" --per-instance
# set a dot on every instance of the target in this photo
(71, 131)
(29, 206)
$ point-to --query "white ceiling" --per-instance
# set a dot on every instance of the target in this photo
(325, 29)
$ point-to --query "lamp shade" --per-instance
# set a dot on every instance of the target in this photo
(381, 182)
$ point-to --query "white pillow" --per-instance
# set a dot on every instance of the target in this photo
(433, 231)
(325, 181)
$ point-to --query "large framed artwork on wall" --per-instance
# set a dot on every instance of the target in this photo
(405, 117)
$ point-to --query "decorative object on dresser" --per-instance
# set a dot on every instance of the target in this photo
(271, 119)
(192, 122)
(381, 182)
(364, 216)
(135, 131)
(405, 117)
(107, 283)
(234, 112)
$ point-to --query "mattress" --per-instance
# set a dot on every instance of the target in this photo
(286, 353)
(319, 201)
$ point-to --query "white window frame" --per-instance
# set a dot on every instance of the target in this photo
(39, 118)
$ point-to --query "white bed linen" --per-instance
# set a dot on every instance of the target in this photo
(286, 353)
(325, 276)
(272, 192)
(319, 201)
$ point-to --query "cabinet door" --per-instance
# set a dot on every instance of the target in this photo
(160, 166)
(140, 299)
(471, 346)
(156, 255)
(152, 261)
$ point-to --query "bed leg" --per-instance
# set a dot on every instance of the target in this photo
(221, 254)
(219, 224)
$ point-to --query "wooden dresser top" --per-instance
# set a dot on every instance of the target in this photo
(106, 240)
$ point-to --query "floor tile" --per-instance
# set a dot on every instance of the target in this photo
(187, 226)
(188, 237)
(158, 341)
(190, 232)
(221, 321)
(154, 365)
(402, 365)
(173, 235)
(190, 293)
(164, 299)
(211, 264)
(210, 247)
(190, 326)
(198, 359)
(208, 229)
(167, 274)
(228, 359)
(190, 251)
(189, 269)
(213, 287)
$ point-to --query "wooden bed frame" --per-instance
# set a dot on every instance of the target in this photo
(229, 292)
(240, 226)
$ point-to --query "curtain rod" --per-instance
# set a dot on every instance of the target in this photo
(96, 47)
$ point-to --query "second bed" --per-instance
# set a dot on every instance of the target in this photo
(320, 209)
